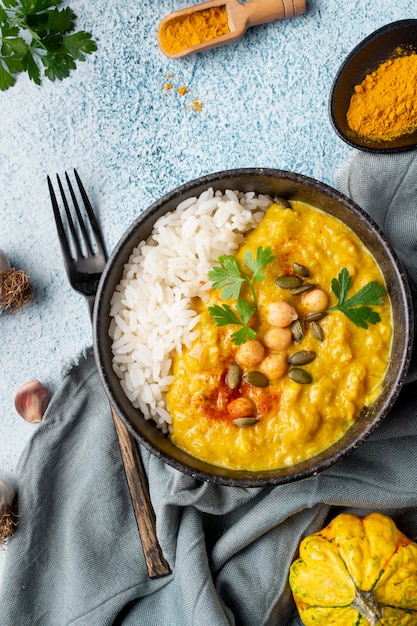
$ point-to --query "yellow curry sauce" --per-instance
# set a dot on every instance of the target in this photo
(294, 421)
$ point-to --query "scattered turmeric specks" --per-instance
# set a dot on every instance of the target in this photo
(172, 87)
(197, 105)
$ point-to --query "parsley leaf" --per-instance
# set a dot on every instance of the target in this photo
(6, 79)
(78, 45)
(357, 308)
(264, 256)
(223, 315)
(34, 34)
(229, 277)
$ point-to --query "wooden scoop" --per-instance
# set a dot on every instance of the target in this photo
(240, 16)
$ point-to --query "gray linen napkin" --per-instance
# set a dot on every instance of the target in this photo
(76, 557)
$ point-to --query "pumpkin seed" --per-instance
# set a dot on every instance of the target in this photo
(302, 357)
(242, 422)
(302, 289)
(301, 270)
(317, 331)
(256, 379)
(315, 317)
(300, 376)
(233, 376)
(288, 282)
(297, 330)
(282, 202)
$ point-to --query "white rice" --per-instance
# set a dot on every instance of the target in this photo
(151, 308)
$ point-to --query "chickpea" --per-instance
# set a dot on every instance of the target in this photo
(250, 354)
(274, 366)
(241, 407)
(278, 339)
(315, 301)
(280, 314)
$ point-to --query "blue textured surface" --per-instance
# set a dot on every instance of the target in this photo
(264, 104)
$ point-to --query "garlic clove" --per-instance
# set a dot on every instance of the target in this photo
(31, 401)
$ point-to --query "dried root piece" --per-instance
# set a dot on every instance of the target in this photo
(15, 290)
(8, 523)
(8, 520)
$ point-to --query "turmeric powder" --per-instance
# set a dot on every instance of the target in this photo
(193, 28)
(384, 105)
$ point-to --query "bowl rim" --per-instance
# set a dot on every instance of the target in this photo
(203, 471)
(354, 140)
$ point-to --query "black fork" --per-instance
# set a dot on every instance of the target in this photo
(84, 257)
(81, 243)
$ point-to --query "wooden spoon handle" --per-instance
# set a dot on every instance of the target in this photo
(263, 11)
(142, 505)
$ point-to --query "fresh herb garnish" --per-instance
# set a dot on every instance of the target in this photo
(229, 277)
(357, 308)
(222, 315)
(35, 34)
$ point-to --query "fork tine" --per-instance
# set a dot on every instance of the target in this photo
(95, 228)
(81, 223)
(75, 239)
(86, 236)
(58, 221)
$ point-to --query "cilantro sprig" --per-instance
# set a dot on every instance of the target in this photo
(357, 308)
(35, 35)
(230, 277)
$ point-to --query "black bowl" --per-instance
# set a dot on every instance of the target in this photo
(365, 58)
(291, 186)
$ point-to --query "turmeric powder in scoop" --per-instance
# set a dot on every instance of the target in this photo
(193, 28)
(384, 105)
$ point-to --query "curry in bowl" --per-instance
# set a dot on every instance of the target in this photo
(296, 381)
(290, 336)
(191, 341)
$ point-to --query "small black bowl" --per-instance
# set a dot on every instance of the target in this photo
(365, 58)
(293, 187)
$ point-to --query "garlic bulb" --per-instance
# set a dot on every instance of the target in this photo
(31, 401)
(7, 517)
(15, 288)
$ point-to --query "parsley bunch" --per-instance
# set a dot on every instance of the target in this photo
(34, 34)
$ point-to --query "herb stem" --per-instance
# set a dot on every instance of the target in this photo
(255, 299)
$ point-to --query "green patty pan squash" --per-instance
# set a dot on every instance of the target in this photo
(354, 572)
